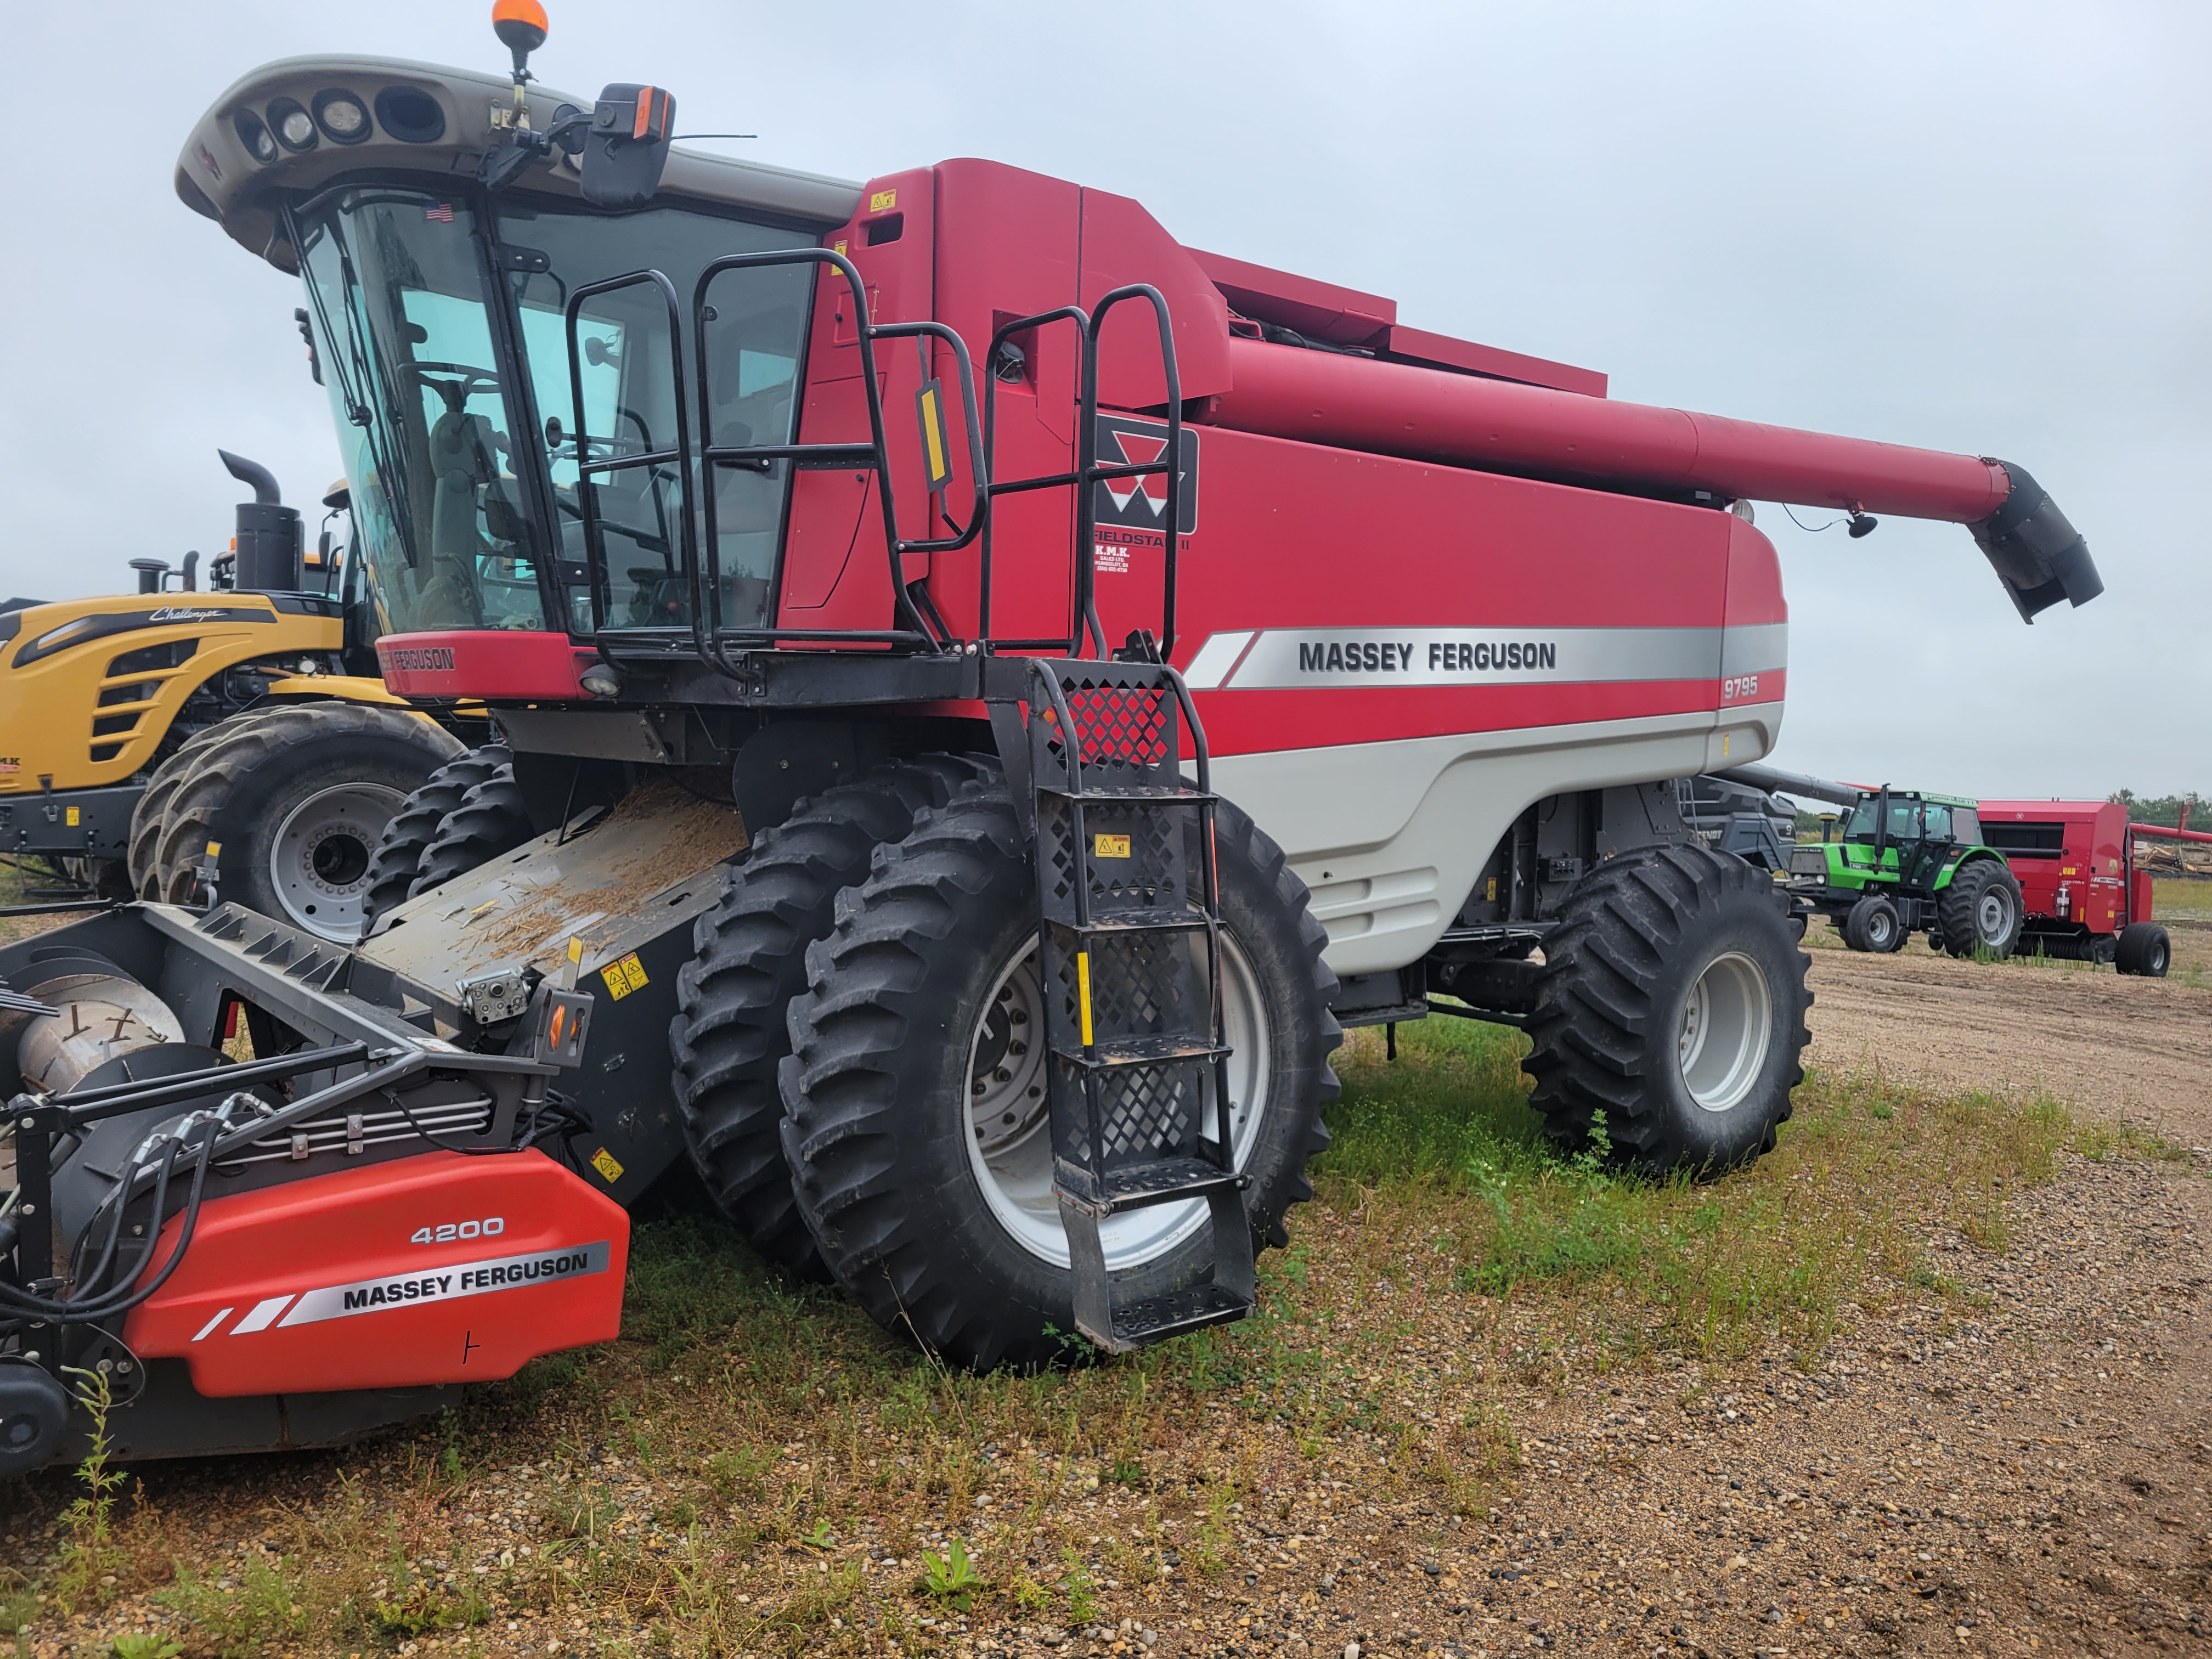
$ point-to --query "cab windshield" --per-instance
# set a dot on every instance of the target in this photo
(456, 459)
(423, 416)
(1909, 820)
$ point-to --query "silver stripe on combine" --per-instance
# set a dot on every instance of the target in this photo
(1215, 658)
(1290, 658)
(449, 1283)
(1754, 649)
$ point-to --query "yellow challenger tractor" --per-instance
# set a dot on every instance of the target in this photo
(137, 729)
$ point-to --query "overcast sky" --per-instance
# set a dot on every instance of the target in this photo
(1976, 227)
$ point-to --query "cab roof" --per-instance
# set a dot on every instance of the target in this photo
(428, 119)
(1966, 801)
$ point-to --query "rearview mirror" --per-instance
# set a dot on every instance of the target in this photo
(627, 147)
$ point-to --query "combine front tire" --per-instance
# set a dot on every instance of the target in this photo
(1672, 1001)
(297, 799)
(399, 857)
(1872, 925)
(2144, 949)
(916, 1126)
(730, 1034)
(1981, 909)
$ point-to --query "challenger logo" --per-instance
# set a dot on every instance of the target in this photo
(416, 658)
(184, 613)
(1141, 502)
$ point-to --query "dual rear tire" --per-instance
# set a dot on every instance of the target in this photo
(903, 1090)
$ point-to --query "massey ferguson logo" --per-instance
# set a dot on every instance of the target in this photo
(1141, 503)
(417, 659)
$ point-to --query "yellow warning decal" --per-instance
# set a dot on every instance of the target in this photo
(214, 850)
(624, 976)
(72, 813)
(1083, 992)
(837, 247)
(604, 1161)
(883, 201)
(929, 408)
(1109, 846)
(576, 951)
(1490, 893)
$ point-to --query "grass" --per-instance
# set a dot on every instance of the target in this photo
(1708, 1270)
(755, 1469)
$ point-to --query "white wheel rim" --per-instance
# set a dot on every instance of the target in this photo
(1010, 1143)
(1727, 1027)
(1994, 915)
(318, 864)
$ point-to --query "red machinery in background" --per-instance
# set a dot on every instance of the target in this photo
(2080, 889)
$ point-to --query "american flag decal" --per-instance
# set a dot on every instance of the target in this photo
(439, 213)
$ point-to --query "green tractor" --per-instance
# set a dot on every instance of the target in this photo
(1909, 861)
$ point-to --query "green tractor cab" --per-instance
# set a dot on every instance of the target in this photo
(1906, 862)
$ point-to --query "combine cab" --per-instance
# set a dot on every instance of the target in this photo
(987, 692)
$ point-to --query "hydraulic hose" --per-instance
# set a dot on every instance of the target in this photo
(95, 1310)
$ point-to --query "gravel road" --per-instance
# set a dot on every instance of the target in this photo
(2135, 1050)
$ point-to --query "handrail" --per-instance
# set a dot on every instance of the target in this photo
(594, 552)
(875, 454)
(1089, 472)
(1000, 336)
(1087, 449)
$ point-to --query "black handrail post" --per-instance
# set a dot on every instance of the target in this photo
(594, 554)
(1087, 473)
(1006, 332)
(1173, 376)
(875, 454)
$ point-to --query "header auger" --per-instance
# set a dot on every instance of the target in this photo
(962, 833)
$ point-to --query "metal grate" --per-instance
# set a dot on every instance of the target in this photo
(1131, 857)
(1145, 1113)
(1125, 725)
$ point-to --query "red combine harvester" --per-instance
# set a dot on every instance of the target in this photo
(2080, 891)
(986, 692)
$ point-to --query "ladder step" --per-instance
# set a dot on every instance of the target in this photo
(1139, 1186)
(1117, 1053)
(1150, 794)
(1140, 1324)
(1137, 918)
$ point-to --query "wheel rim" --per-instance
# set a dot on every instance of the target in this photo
(1879, 927)
(1993, 915)
(1010, 1142)
(318, 864)
(1727, 1027)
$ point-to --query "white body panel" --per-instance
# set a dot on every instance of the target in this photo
(1390, 836)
